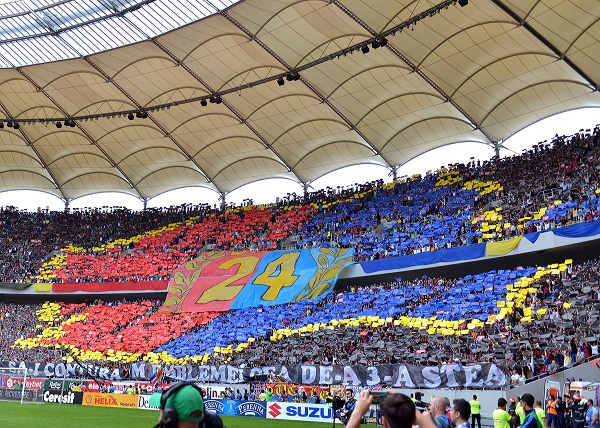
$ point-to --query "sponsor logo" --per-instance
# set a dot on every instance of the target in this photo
(214, 406)
(251, 409)
(9, 393)
(144, 402)
(17, 383)
(50, 397)
(110, 400)
(93, 387)
(94, 400)
(274, 410)
(309, 412)
(55, 385)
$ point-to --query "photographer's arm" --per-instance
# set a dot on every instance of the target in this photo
(360, 409)
(424, 420)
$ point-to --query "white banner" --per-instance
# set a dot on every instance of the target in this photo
(300, 412)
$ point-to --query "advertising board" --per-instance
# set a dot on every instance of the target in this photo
(110, 400)
(256, 409)
(12, 382)
(66, 397)
(299, 412)
(144, 403)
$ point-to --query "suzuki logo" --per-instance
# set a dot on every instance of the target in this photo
(274, 410)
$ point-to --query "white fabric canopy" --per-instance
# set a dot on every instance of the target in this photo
(476, 73)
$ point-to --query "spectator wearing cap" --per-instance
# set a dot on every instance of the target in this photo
(184, 405)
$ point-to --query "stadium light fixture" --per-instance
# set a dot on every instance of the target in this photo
(203, 103)
(365, 49)
(9, 124)
(16, 126)
(130, 116)
(463, 3)
(59, 125)
(280, 81)
(1, 125)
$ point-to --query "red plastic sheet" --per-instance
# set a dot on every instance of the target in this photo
(102, 287)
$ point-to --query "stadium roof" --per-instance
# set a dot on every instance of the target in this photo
(444, 74)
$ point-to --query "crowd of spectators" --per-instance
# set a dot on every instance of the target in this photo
(379, 220)
(19, 321)
(567, 304)
(417, 215)
(156, 256)
(28, 239)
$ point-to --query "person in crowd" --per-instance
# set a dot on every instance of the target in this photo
(475, 412)
(512, 411)
(502, 419)
(397, 411)
(461, 410)
(578, 411)
(592, 415)
(561, 408)
(551, 412)
(437, 412)
(531, 420)
(348, 408)
(182, 404)
(541, 415)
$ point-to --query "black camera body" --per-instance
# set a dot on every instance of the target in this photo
(337, 403)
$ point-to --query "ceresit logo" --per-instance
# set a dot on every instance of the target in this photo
(274, 410)
(50, 397)
(9, 383)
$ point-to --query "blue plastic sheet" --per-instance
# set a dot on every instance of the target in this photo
(469, 252)
(580, 230)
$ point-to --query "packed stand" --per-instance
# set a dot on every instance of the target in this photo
(19, 322)
(157, 253)
(371, 325)
(28, 239)
(552, 185)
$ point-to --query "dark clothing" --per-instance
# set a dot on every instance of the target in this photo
(531, 420)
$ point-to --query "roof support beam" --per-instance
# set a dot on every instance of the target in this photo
(324, 99)
(562, 55)
(416, 69)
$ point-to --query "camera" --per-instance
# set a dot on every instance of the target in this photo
(378, 396)
(337, 403)
(421, 405)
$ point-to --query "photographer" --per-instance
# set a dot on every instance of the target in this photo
(348, 408)
(397, 411)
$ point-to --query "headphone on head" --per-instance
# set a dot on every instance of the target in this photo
(170, 418)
